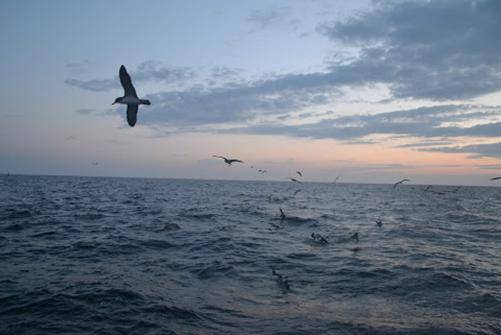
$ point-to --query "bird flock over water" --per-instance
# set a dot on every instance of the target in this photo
(131, 99)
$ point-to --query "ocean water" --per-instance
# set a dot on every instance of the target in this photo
(85, 255)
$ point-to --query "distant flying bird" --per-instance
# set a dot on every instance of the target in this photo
(228, 161)
(400, 182)
(130, 97)
(495, 178)
(297, 191)
(427, 188)
(456, 189)
(294, 180)
(95, 163)
(299, 173)
(262, 171)
(337, 178)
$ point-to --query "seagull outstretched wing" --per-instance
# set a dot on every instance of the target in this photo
(495, 178)
(129, 90)
(132, 114)
(400, 182)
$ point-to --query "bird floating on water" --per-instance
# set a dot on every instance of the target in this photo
(319, 238)
(282, 214)
(400, 182)
(130, 97)
(379, 222)
(282, 280)
(228, 161)
(354, 237)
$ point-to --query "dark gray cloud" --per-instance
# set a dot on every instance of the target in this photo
(425, 122)
(445, 49)
(476, 150)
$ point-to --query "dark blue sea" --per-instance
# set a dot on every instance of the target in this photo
(83, 255)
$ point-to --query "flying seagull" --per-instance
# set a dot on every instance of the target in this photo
(95, 163)
(495, 178)
(130, 97)
(297, 191)
(400, 182)
(228, 161)
(294, 180)
(427, 188)
(262, 171)
(299, 173)
(335, 180)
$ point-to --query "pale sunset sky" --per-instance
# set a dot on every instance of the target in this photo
(371, 91)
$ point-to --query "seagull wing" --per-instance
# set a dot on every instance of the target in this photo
(129, 90)
(132, 114)
(219, 157)
(496, 178)
(235, 161)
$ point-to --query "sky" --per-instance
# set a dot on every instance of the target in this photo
(370, 91)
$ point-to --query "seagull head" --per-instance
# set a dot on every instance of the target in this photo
(117, 100)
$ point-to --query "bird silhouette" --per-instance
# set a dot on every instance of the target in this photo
(228, 161)
(130, 97)
(400, 182)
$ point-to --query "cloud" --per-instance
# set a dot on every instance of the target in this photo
(148, 71)
(234, 102)
(95, 85)
(427, 143)
(78, 67)
(440, 50)
(476, 150)
(84, 111)
(489, 166)
(426, 122)
(437, 50)
(275, 16)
